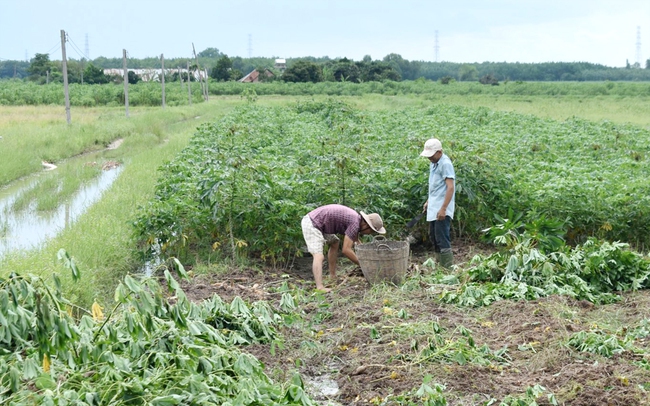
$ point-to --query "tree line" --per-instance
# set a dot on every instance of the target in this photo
(392, 67)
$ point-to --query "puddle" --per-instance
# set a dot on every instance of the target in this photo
(322, 387)
(30, 229)
(150, 266)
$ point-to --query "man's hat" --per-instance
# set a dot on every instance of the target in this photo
(375, 222)
(432, 146)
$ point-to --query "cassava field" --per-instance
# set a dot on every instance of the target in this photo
(547, 303)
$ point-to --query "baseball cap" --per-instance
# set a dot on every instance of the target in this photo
(432, 146)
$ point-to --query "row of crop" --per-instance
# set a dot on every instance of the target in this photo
(248, 179)
(423, 87)
(15, 93)
(590, 175)
(244, 183)
(150, 94)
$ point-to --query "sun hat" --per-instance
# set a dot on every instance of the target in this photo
(375, 222)
(432, 146)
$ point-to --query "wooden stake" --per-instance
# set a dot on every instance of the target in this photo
(162, 77)
(200, 72)
(189, 84)
(126, 83)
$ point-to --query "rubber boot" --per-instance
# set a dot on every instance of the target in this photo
(436, 256)
(447, 259)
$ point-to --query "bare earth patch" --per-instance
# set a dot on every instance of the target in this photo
(115, 144)
(354, 338)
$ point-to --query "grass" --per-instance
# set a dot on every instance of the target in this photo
(33, 135)
(100, 241)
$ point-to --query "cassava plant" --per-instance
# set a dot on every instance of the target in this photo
(153, 347)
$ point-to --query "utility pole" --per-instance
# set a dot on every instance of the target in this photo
(205, 72)
(200, 72)
(180, 76)
(126, 82)
(64, 66)
(189, 84)
(162, 77)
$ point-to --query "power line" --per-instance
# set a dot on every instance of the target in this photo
(76, 48)
(55, 50)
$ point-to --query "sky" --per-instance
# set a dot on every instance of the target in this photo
(606, 32)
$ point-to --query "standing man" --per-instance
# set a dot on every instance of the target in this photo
(321, 225)
(440, 204)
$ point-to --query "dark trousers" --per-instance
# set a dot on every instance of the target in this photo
(439, 233)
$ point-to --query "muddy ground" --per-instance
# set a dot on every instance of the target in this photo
(344, 364)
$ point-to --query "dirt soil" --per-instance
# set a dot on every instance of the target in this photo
(344, 364)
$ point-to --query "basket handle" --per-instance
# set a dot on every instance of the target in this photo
(384, 246)
(378, 238)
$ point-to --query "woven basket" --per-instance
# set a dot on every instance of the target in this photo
(384, 261)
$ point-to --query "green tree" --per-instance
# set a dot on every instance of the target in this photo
(94, 75)
(11, 69)
(303, 71)
(407, 70)
(221, 70)
(377, 71)
(75, 70)
(210, 53)
(489, 79)
(133, 77)
(445, 80)
(39, 66)
(395, 61)
(236, 74)
(346, 71)
(467, 73)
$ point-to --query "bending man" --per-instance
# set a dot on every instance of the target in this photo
(322, 225)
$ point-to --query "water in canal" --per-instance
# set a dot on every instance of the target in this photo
(30, 228)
